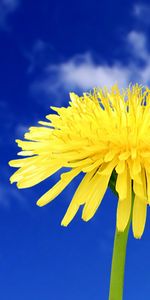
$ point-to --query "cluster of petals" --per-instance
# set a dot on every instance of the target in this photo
(99, 133)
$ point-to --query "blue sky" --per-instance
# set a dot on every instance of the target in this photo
(48, 49)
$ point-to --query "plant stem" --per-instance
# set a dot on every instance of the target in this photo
(118, 263)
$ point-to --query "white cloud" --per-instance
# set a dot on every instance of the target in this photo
(82, 73)
(137, 42)
(38, 55)
(7, 7)
(34, 56)
(20, 130)
(142, 12)
(9, 193)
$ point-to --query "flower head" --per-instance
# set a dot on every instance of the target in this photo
(98, 134)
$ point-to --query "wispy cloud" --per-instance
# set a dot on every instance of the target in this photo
(7, 7)
(38, 55)
(139, 45)
(82, 73)
(9, 193)
(142, 12)
(137, 41)
(20, 130)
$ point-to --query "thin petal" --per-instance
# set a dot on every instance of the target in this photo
(120, 167)
(124, 207)
(148, 185)
(90, 168)
(139, 217)
(122, 184)
(30, 168)
(78, 199)
(17, 163)
(140, 188)
(102, 179)
(36, 177)
(66, 178)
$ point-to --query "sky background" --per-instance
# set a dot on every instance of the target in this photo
(48, 48)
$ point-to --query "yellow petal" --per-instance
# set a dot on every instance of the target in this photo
(45, 123)
(139, 217)
(36, 177)
(122, 184)
(124, 207)
(109, 156)
(86, 161)
(17, 163)
(140, 189)
(94, 201)
(135, 176)
(90, 168)
(148, 186)
(29, 168)
(66, 178)
(79, 198)
(124, 155)
(120, 167)
(136, 168)
(106, 168)
(101, 183)
(26, 153)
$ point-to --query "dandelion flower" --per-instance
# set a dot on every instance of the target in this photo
(101, 134)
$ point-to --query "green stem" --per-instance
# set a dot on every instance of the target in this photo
(118, 263)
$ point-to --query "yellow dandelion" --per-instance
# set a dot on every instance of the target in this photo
(102, 134)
